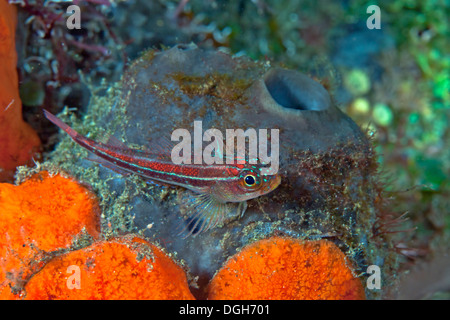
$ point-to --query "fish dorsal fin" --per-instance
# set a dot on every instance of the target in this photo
(111, 141)
(161, 148)
(114, 142)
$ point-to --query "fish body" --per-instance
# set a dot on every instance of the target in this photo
(212, 186)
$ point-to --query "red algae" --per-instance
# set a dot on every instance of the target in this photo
(286, 269)
(123, 268)
(18, 141)
(38, 218)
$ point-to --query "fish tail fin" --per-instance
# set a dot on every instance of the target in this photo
(71, 132)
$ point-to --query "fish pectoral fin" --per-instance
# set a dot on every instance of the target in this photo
(202, 211)
(241, 208)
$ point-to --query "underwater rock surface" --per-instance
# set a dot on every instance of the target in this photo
(329, 187)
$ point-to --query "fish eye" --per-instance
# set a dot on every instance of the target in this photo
(250, 180)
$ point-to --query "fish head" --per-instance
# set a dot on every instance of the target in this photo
(251, 183)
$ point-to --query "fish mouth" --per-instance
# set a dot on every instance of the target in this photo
(274, 183)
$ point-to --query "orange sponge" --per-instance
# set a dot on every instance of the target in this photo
(18, 141)
(282, 268)
(38, 218)
(125, 268)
